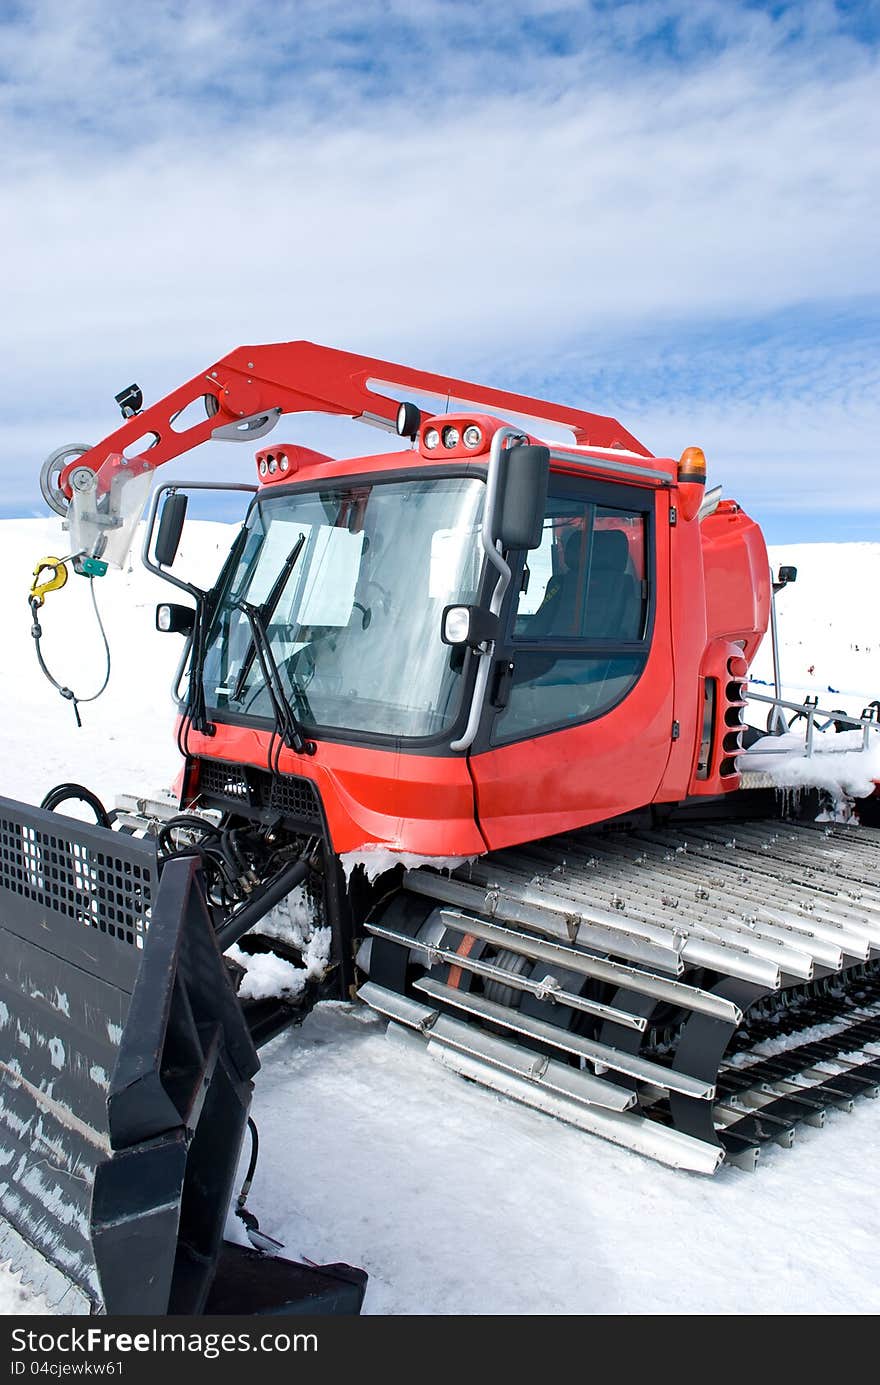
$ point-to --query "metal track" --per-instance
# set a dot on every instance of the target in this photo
(668, 983)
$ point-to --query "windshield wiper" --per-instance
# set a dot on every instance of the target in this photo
(287, 723)
(265, 612)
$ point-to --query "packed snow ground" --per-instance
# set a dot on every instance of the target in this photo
(455, 1200)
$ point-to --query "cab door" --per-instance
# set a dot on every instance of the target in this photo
(579, 723)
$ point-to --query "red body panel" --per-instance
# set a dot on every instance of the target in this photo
(586, 774)
(720, 594)
(418, 803)
(687, 603)
(737, 577)
(589, 773)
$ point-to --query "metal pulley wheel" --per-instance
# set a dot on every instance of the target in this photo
(50, 475)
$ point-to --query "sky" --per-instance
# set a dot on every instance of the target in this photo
(663, 210)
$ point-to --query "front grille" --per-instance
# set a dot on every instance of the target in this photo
(223, 780)
(244, 786)
(294, 796)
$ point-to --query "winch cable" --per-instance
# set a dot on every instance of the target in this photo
(36, 599)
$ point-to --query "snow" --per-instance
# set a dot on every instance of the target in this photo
(769, 1048)
(458, 1202)
(455, 1200)
(828, 625)
(269, 975)
(374, 860)
(126, 740)
(838, 762)
(828, 649)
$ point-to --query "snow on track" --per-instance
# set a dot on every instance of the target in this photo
(840, 763)
(455, 1200)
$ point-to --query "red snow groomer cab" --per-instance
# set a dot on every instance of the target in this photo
(482, 697)
(459, 694)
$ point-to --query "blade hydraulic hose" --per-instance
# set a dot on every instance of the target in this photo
(251, 913)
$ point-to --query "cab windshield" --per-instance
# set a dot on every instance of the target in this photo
(350, 583)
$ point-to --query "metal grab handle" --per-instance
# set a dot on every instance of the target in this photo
(491, 549)
(810, 711)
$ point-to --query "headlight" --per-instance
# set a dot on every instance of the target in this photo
(468, 625)
(263, 468)
(472, 436)
(283, 461)
(456, 624)
(451, 437)
(432, 437)
(409, 417)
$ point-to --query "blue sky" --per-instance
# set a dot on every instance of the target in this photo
(661, 210)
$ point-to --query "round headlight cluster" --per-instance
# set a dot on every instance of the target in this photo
(452, 436)
(272, 463)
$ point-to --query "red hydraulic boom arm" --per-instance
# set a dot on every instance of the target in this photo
(247, 391)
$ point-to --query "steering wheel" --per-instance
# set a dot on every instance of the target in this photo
(303, 665)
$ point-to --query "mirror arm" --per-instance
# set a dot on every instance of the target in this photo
(491, 549)
(153, 512)
(487, 531)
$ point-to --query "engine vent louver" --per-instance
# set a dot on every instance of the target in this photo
(243, 785)
(224, 780)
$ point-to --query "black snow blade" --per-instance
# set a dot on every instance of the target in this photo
(126, 1071)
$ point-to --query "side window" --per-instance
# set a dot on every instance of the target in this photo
(579, 628)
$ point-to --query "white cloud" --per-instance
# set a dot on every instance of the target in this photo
(231, 174)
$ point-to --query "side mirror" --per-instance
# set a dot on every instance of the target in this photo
(170, 528)
(525, 474)
(784, 576)
(175, 620)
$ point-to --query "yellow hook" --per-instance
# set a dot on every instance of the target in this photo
(54, 583)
